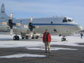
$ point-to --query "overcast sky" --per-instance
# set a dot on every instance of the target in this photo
(46, 8)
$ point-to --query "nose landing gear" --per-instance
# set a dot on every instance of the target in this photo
(63, 39)
(16, 37)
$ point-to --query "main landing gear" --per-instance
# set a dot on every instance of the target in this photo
(35, 37)
(16, 37)
(26, 36)
(30, 37)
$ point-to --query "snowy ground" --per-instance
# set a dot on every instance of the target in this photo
(7, 42)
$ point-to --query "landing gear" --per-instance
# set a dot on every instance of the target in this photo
(26, 37)
(63, 39)
(36, 37)
(16, 37)
(32, 37)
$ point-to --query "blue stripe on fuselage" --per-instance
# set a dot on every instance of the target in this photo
(37, 24)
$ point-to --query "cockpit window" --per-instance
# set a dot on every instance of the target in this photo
(67, 20)
(64, 20)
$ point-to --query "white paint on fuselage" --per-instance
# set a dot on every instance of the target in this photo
(4, 28)
(61, 27)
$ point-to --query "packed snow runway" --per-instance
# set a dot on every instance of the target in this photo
(73, 43)
(7, 42)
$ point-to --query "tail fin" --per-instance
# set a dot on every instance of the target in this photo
(3, 14)
(2, 8)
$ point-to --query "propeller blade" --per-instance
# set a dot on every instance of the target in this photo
(11, 16)
(31, 19)
(5, 23)
(31, 27)
(18, 24)
(11, 31)
(11, 24)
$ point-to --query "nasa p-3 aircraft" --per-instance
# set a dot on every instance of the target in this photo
(62, 26)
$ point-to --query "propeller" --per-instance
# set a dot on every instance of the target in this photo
(11, 24)
(31, 27)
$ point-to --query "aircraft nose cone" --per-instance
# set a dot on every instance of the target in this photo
(80, 28)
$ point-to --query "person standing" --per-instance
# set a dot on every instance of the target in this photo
(81, 35)
(47, 40)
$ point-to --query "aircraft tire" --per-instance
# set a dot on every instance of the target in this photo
(22, 37)
(16, 38)
(33, 37)
(37, 37)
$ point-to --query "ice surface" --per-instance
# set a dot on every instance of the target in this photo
(22, 55)
(39, 45)
(52, 48)
(7, 42)
(71, 41)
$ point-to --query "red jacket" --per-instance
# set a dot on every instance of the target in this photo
(46, 37)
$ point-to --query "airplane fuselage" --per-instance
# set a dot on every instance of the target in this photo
(55, 25)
